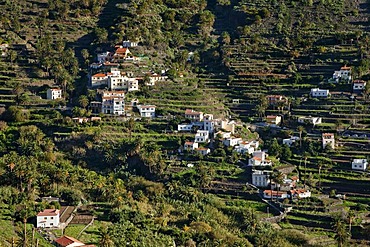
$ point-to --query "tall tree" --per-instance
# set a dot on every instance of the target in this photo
(83, 101)
(341, 233)
(105, 237)
(300, 131)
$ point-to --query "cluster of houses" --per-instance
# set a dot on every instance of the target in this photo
(240, 146)
(50, 219)
(290, 194)
(112, 102)
(205, 126)
(343, 75)
(328, 139)
(261, 177)
(112, 85)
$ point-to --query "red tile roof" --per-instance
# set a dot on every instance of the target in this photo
(274, 192)
(122, 51)
(295, 178)
(327, 134)
(298, 191)
(274, 96)
(66, 240)
(99, 75)
(345, 68)
(359, 81)
(49, 212)
(192, 112)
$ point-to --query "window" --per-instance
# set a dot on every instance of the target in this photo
(45, 218)
(52, 217)
(51, 224)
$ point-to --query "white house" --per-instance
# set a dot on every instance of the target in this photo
(299, 193)
(287, 184)
(260, 178)
(328, 139)
(154, 78)
(190, 146)
(222, 135)
(231, 142)
(275, 120)
(202, 136)
(246, 147)
(320, 93)
(47, 218)
(203, 151)
(227, 125)
(115, 93)
(121, 54)
(343, 74)
(268, 194)
(114, 105)
(185, 127)
(193, 115)
(129, 44)
(291, 140)
(359, 85)
(309, 120)
(146, 110)
(275, 99)
(119, 82)
(54, 93)
(359, 164)
(259, 159)
(99, 79)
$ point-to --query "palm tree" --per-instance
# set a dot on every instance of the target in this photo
(278, 179)
(300, 130)
(340, 229)
(305, 155)
(320, 166)
(130, 124)
(105, 237)
(83, 101)
(351, 216)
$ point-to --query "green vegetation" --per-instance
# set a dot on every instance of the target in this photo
(221, 57)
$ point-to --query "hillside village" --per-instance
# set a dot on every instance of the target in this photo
(174, 125)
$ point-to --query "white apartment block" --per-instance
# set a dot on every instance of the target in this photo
(113, 105)
(261, 178)
(202, 136)
(146, 110)
(123, 83)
